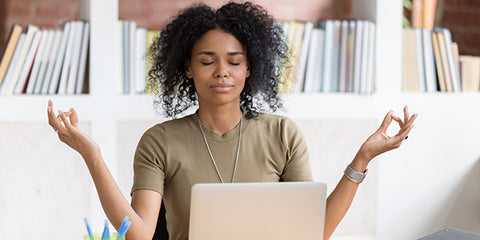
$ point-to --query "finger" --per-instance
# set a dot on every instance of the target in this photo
(386, 122)
(406, 114)
(407, 126)
(53, 121)
(65, 120)
(398, 120)
(412, 119)
(403, 134)
(74, 117)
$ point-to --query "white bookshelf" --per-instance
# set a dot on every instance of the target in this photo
(443, 119)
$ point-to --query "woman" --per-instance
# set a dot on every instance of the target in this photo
(224, 61)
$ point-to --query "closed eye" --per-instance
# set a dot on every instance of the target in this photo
(235, 64)
(207, 63)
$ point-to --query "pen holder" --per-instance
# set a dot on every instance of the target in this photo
(98, 236)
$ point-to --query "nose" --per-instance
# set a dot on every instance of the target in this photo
(221, 75)
(221, 72)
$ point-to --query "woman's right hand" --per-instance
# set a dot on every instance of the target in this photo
(65, 125)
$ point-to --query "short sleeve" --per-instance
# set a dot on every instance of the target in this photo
(297, 167)
(149, 161)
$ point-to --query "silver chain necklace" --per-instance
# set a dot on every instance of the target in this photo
(210, 152)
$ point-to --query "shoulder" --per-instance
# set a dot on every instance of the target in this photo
(274, 121)
(169, 128)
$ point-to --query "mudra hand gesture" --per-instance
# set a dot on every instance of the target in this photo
(65, 125)
(379, 142)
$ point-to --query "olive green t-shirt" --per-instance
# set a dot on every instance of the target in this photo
(172, 156)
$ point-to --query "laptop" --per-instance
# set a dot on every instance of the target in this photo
(258, 211)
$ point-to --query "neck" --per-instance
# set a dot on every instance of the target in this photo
(220, 119)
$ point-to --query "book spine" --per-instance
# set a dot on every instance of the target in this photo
(11, 67)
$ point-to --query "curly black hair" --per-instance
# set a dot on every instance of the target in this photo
(250, 24)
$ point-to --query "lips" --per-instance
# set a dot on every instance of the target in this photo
(221, 87)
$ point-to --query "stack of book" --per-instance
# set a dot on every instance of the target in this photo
(325, 56)
(46, 61)
(431, 63)
(329, 56)
(133, 65)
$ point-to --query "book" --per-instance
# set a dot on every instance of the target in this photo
(283, 68)
(371, 59)
(286, 68)
(364, 58)
(296, 51)
(302, 63)
(357, 57)
(342, 70)
(421, 67)
(44, 62)
(444, 57)
(456, 58)
(120, 58)
(31, 30)
(28, 64)
(54, 81)
(11, 66)
(470, 73)
(67, 60)
(151, 84)
(410, 81)
(313, 74)
(43, 89)
(140, 59)
(328, 51)
(441, 85)
(451, 60)
(7, 55)
(37, 62)
(75, 58)
(83, 59)
(429, 62)
(131, 56)
(352, 26)
(126, 57)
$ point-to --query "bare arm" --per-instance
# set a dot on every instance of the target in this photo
(379, 142)
(143, 212)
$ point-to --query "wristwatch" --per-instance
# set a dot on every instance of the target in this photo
(353, 175)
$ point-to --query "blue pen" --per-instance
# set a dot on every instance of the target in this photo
(123, 228)
(88, 229)
(106, 231)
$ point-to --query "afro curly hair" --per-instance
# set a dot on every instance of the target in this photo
(250, 24)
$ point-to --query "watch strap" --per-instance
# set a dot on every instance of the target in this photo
(355, 176)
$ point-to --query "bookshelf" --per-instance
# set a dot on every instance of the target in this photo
(391, 191)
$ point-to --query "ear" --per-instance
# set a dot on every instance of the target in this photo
(188, 69)
(248, 70)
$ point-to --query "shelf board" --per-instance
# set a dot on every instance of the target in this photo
(298, 105)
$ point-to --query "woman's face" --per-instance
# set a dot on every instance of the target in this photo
(219, 67)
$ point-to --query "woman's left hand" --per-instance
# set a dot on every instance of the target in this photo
(379, 142)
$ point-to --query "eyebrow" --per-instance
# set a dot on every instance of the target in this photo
(213, 53)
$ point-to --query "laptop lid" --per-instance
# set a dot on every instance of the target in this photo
(240, 211)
